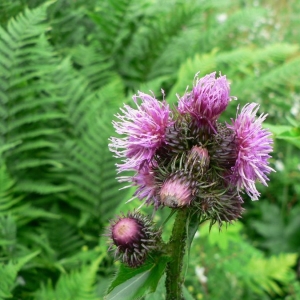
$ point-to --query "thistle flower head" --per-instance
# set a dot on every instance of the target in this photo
(125, 232)
(146, 187)
(144, 129)
(208, 99)
(132, 237)
(253, 145)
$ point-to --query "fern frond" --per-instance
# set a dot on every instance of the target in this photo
(8, 9)
(41, 187)
(77, 285)
(63, 238)
(238, 23)
(117, 26)
(86, 155)
(29, 65)
(70, 26)
(93, 65)
(243, 65)
(205, 63)
(9, 205)
(265, 273)
(9, 272)
(151, 53)
(8, 236)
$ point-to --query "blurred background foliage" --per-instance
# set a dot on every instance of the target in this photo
(66, 67)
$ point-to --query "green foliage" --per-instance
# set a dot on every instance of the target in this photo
(253, 72)
(9, 272)
(160, 292)
(78, 285)
(242, 271)
(53, 175)
(134, 283)
(290, 134)
(280, 234)
(65, 69)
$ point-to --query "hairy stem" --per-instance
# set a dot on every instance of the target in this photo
(176, 247)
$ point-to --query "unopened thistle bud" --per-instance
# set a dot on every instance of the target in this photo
(199, 159)
(224, 207)
(232, 209)
(177, 191)
(224, 153)
(176, 138)
(132, 237)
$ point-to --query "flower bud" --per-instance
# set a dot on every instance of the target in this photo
(224, 152)
(176, 138)
(177, 191)
(224, 207)
(199, 159)
(132, 237)
(232, 208)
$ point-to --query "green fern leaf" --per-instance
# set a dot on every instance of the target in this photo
(78, 285)
(8, 274)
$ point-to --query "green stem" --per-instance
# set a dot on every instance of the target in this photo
(176, 247)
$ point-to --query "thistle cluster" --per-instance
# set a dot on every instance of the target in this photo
(186, 157)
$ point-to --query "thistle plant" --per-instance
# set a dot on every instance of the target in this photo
(186, 159)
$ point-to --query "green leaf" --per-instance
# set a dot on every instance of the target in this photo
(160, 292)
(134, 283)
(277, 129)
(292, 136)
(192, 227)
(285, 132)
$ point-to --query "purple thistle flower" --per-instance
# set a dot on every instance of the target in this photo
(144, 180)
(253, 147)
(144, 128)
(208, 99)
(147, 189)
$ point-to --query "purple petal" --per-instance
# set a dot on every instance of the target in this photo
(253, 147)
(144, 129)
(208, 99)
